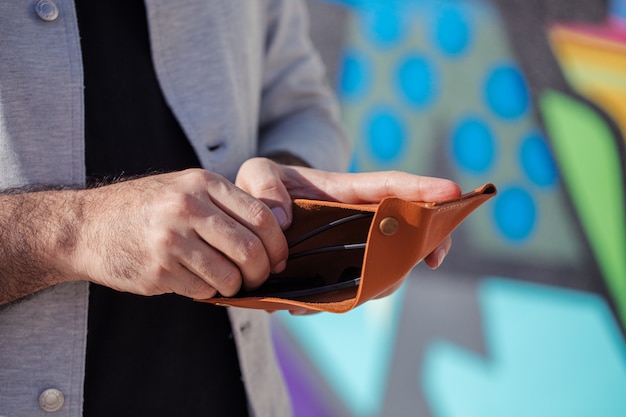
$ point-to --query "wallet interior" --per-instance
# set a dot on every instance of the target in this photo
(326, 253)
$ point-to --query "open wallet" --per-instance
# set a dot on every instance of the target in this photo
(342, 255)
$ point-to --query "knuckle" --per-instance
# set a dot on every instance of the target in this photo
(250, 250)
(197, 176)
(197, 288)
(219, 222)
(259, 215)
(165, 238)
(204, 293)
(391, 179)
(179, 204)
(202, 179)
(230, 282)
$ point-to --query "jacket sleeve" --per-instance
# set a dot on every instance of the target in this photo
(299, 113)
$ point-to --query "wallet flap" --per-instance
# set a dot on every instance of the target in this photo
(403, 233)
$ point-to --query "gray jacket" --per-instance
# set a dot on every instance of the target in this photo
(241, 78)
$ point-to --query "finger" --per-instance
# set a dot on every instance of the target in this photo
(267, 238)
(255, 216)
(211, 266)
(183, 282)
(262, 178)
(372, 187)
(238, 244)
(434, 259)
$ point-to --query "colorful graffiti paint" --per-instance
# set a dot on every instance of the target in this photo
(527, 315)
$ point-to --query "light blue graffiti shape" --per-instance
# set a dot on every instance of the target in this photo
(352, 350)
(551, 353)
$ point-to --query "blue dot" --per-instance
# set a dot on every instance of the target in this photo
(386, 135)
(417, 81)
(515, 214)
(383, 25)
(355, 76)
(506, 92)
(537, 161)
(473, 146)
(452, 31)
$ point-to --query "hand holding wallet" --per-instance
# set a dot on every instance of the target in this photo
(342, 255)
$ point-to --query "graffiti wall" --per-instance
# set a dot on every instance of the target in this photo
(527, 315)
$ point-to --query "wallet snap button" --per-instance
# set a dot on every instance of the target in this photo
(389, 226)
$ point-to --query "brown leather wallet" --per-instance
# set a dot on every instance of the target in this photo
(342, 255)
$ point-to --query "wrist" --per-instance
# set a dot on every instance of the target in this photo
(38, 231)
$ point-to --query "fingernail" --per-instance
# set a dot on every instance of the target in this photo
(441, 255)
(280, 216)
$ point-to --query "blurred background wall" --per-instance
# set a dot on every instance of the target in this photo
(526, 316)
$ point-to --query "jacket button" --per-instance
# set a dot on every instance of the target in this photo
(51, 400)
(47, 10)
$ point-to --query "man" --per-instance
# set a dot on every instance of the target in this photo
(209, 111)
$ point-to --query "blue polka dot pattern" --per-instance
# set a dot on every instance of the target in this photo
(537, 161)
(355, 76)
(515, 214)
(506, 92)
(383, 25)
(386, 135)
(452, 32)
(417, 81)
(473, 145)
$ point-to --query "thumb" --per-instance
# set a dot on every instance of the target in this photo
(262, 178)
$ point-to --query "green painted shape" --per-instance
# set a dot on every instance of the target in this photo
(589, 160)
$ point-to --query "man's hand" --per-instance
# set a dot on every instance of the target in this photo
(277, 185)
(190, 232)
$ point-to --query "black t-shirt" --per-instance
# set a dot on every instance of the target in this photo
(146, 356)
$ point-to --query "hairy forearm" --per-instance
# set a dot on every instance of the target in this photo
(38, 231)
